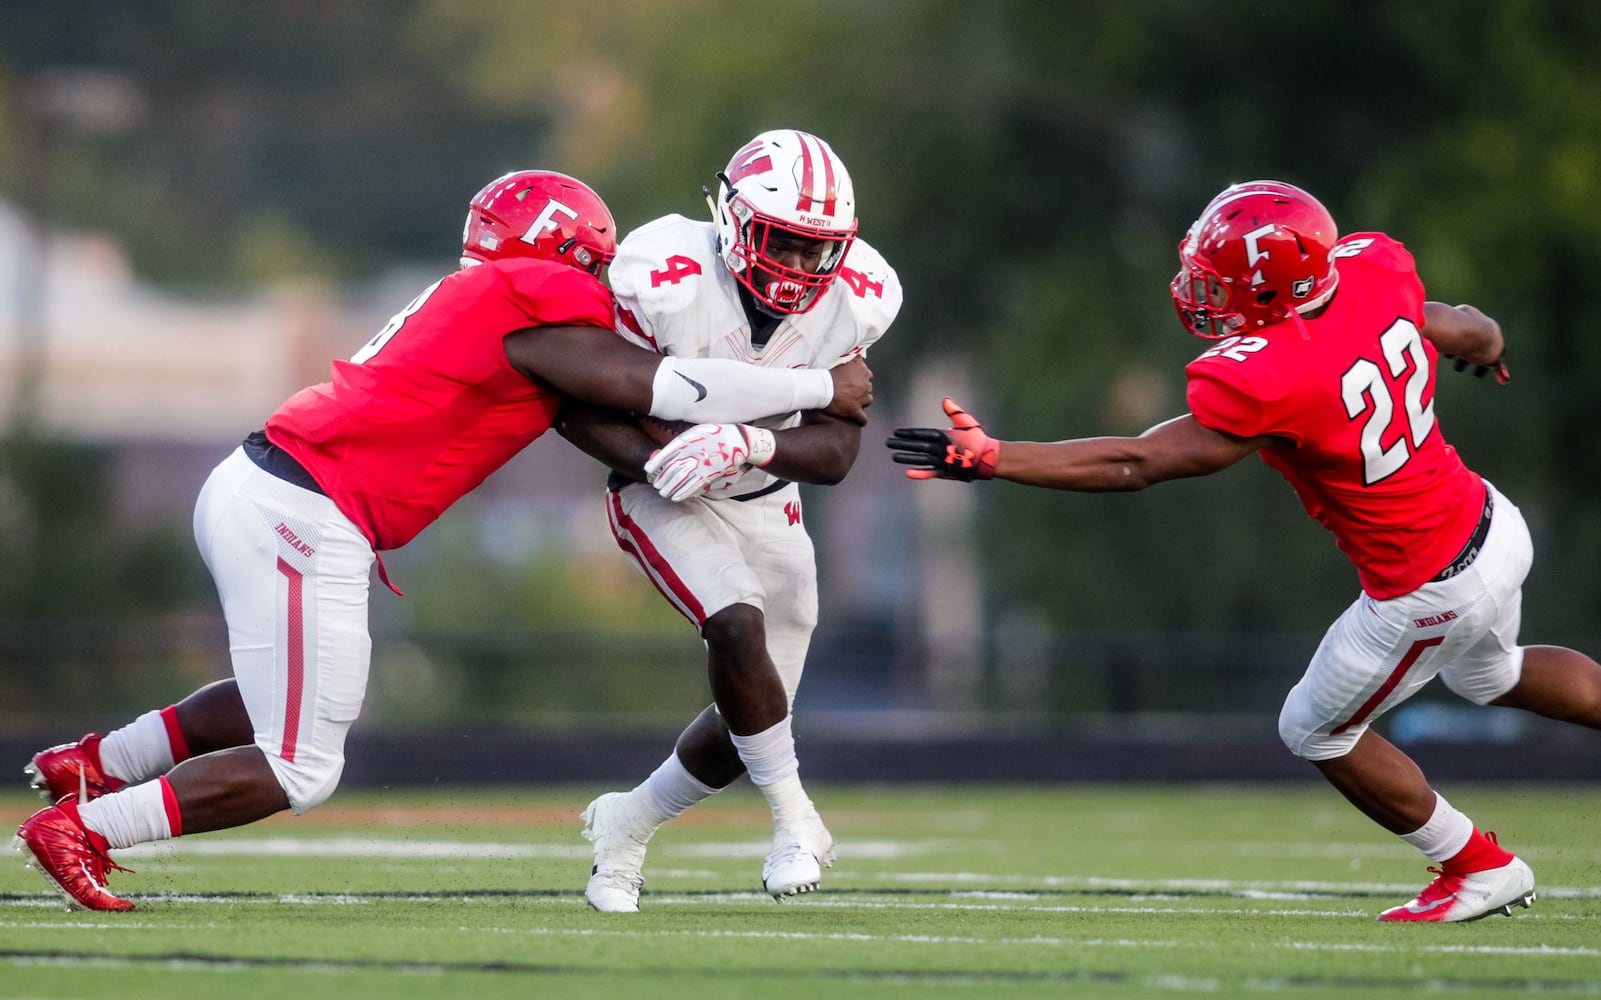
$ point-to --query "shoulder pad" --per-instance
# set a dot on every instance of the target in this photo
(871, 287)
(663, 264)
(1375, 250)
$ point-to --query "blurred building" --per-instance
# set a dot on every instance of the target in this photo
(96, 356)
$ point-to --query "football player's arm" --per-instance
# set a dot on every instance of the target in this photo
(1468, 335)
(597, 366)
(610, 436)
(821, 450)
(703, 458)
(1179, 448)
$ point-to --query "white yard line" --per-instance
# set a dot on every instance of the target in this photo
(1045, 941)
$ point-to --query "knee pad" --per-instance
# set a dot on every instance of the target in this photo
(1307, 736)
(1482, 681)
(307, 780)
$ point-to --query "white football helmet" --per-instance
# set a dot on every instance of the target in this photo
(784, 183)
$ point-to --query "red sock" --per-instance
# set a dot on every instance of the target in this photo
(91, 749)
(1480, 853)
(180, 746)
(169, 799)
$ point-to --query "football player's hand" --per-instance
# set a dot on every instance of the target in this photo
(1502, 375)
(962, 452)
(853, 391)
(1481, 345)
(707, 457)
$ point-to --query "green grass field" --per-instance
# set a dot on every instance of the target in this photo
(939, 891)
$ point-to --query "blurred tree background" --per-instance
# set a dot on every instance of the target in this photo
(1029, 168)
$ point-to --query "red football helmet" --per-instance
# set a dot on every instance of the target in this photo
(539, 213)
(1259, 252)
(784, 183)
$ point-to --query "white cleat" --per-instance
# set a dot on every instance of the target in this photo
(1452, 898)
(619, 835)
(796, 862)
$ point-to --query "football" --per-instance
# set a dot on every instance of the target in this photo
(662, 431)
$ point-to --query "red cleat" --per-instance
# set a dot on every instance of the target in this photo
(71, 857)
(70, 768)
(1455, 896)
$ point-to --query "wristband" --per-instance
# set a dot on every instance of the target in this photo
(762, 444)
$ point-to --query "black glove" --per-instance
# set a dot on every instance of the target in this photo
(964, 452)
(1502, 375)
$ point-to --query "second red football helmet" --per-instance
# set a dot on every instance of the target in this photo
(1260, 251)
(539, 213)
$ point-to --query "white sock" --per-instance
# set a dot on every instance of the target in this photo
(1446, 832)
(789, 801)
(135, 815)
(670, 790)
(769, 754)
(769, 758)
(139, 751)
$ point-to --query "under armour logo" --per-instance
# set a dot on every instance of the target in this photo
(792, 509)
(700, 389)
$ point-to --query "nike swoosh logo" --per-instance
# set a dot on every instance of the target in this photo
(1426, 907)
(698, 387)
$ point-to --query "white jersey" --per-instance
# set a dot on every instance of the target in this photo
(676, 296)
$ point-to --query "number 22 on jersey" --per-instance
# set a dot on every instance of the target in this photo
(1370, 398)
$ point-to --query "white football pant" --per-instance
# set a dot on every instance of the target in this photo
(707, 555)
(292, 572)
(1379, 653)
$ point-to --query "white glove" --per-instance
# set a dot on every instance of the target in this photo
(706, 455)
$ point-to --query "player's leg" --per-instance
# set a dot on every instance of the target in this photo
(696, 554)
(1553, 681)
(1477, 876)
(296, 614)
(707, 752)
(212, 718)
(1374, 657)
(785, 565)
(692, 558)
(1558, 683)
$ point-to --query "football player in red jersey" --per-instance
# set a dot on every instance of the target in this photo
(1323, 364)
(290, 524)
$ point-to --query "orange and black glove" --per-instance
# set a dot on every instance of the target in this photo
(1502, 374)
(962, 452)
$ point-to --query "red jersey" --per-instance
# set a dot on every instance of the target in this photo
(431, 406)
(1351, 392)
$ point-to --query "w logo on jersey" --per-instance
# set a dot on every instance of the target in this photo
(792, 511)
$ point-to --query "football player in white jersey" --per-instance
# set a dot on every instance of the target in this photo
(778, 279)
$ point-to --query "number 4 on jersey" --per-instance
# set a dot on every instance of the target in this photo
(860, 283)
(678, 268)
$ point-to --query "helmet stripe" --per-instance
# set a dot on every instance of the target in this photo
(830, 188)
(807, 195)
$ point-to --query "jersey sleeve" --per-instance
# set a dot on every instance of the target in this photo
(633, 319)
(560, 296)
(1224, 405)
(1378, 254)
(655, 275)
(874, 294)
